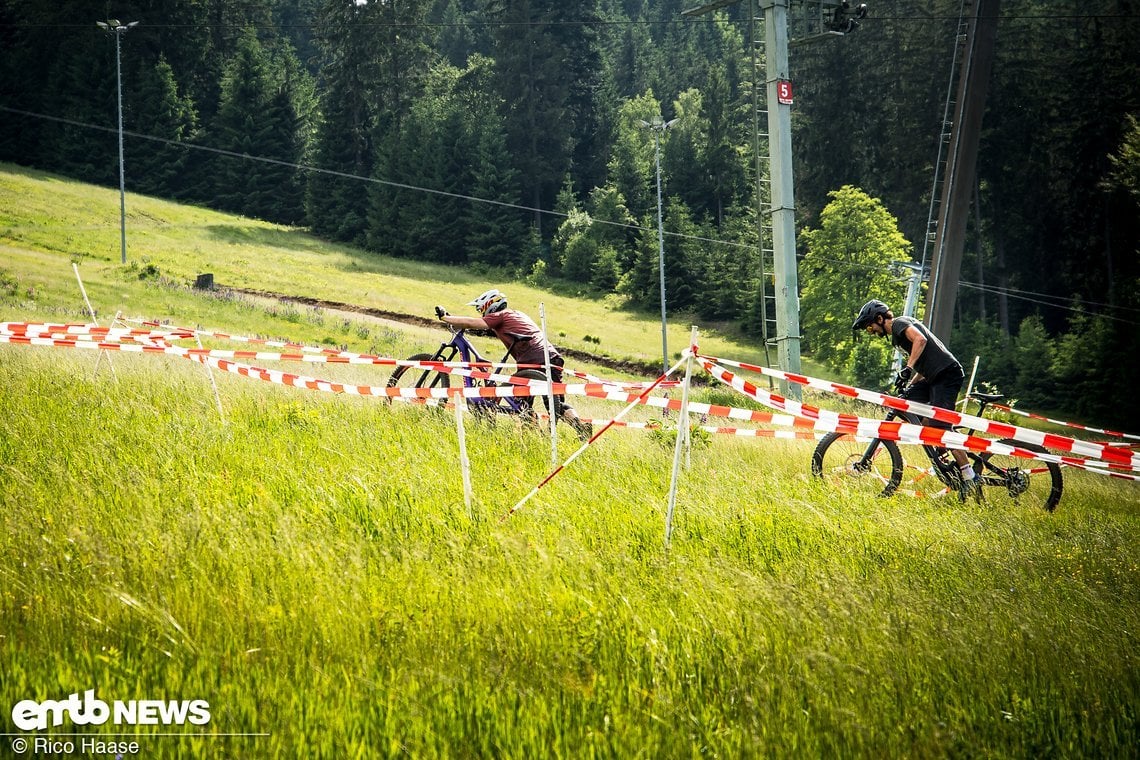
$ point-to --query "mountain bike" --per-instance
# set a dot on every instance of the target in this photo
(459, 349)
(876, 467)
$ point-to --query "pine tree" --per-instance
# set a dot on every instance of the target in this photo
(336, 199)
(546, 74)
(158, 167)
(496, 233)
(257, 118)
(1033, 356)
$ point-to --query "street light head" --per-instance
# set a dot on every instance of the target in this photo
(658, 124)
(114, 26)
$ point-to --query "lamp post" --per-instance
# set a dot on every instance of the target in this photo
(658, 127)
(115, 27)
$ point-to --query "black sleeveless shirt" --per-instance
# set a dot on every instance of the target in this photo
(935, 358)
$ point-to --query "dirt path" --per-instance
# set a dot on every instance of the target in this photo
(647, 369)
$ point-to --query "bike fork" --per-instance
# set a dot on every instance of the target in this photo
(864, 463)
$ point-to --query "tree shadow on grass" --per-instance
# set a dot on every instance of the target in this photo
(289, 239)
(353, 259)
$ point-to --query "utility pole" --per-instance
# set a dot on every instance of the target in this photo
(113, 26)
(779, 106)
(783, 196)
(913, 283)
(658, 128)
(961, 163)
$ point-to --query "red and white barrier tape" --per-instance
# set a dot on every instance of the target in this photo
(897, 431)
(628, 385)
(514, 386)
(790, 435)
(84, 332)
(819, 420)
(1113, 454)
(1062, 423)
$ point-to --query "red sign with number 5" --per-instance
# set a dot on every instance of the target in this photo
(784, 92)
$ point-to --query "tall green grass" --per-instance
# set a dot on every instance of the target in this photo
(308, 566)
(310, 569)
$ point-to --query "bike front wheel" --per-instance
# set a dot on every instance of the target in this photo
(1011, 480)
(415, 377)
(874, 469)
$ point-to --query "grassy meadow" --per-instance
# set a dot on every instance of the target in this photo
(307, 565)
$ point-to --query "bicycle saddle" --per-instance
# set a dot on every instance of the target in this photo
(989, 398)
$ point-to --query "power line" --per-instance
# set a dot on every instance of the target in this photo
(1066, 17)
(1029, 296)
(361, 178)
(1014, 293)
(992, 288)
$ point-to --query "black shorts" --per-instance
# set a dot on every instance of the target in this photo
(560, 405)
(942, 391)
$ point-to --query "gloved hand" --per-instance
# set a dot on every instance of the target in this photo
(902, 379)
(440, 312)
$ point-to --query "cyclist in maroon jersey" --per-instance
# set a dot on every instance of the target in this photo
(523, 339)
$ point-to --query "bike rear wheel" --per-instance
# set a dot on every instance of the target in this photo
(839, 460)
(1011, 480)
(414, 377)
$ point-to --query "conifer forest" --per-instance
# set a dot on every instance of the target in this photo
(510, 135)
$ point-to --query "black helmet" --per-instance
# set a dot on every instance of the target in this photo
(869, 313)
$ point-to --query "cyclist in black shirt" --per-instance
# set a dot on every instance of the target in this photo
(934, 374)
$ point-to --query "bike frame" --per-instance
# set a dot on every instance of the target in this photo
(459, 346)
(944, 467)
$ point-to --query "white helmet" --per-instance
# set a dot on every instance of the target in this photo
(490, 302)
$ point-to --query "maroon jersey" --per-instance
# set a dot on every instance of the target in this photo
(512, 327)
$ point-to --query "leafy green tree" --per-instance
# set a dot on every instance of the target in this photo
(595, 245)
(632, 159)
(1081, 365)
(871, 364)
(986, 341)
(575, 248)
(847, 262)
(682, 155)
(614, 226)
